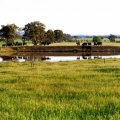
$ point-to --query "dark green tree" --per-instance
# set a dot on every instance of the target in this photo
(58, 35)
(97, 39)
(8, 33)
(35, 31)
(112, 38)
(67, 37)
(50, 36)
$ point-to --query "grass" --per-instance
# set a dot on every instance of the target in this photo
(74, 44)
(106, 42)
(70, 90)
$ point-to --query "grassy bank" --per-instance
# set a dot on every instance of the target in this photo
(76, 90)
(30, 47)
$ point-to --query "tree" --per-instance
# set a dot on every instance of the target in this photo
(67, 37)
(35, 31)
(58, 35)
(97, 39)
(9, 33)
(112, 38)
(50, 36)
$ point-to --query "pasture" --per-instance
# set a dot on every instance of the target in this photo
(105, 41)
(70, 90)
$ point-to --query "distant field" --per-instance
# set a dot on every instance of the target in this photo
(28, 42)
(74, 44)
(105, 42)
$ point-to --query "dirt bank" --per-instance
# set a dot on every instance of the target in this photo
(61, 49)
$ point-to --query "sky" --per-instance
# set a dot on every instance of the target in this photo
(75, 17)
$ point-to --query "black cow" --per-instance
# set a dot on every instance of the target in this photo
(24, 43)
(4, 45)
(45, 43)
(44, 58)
(48, 42)
(97, 43)
(89, 43)
(10, 44)
(18, 44)
(84, 44)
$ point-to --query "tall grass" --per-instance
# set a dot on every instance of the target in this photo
(74, 90)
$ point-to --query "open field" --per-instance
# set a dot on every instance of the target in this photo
(74, 44)
(106, 42)
(76, 90)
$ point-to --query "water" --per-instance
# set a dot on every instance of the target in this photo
(54, 57)
(71, 58)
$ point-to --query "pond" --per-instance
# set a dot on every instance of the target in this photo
(55, 57)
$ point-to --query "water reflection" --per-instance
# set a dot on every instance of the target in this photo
(23, 58)
(54, 58)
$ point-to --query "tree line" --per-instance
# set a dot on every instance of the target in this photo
(34, 31)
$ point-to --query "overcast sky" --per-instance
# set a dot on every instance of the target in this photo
(95, 17)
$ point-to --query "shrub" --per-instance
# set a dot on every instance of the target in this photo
(97, 39)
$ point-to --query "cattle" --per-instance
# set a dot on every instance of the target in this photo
(84, 44)
(89, 43)
(97, 43)
(4, 45)
(48, 42)
(18, 44)
(24, 43)
(84, 57)
(45, 42)
(10, 44)
(44, 58)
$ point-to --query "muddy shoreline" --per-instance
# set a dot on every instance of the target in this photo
(40, 52)
(70, 49)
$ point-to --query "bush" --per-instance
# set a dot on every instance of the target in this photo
(97, 39)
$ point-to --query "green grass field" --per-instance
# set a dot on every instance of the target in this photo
(106, 42)
(74, 44)
(70, 90)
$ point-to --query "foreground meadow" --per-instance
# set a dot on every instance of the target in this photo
(71, 90)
